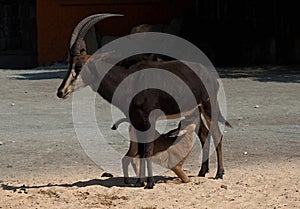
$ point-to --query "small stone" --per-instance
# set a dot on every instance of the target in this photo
(224, 186)
(105, 174)
(245, 153)
(256, 106)
(12, 104)
(1, 143)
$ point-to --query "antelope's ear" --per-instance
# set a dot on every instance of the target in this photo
(83, 52)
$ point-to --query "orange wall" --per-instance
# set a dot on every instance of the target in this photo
(57, 18)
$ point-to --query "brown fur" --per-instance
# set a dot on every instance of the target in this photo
(151, 99)
(162, 143)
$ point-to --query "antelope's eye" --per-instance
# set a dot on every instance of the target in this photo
(78, 67)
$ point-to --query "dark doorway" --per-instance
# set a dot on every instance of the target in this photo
(18, 39)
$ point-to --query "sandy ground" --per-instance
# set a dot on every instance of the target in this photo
(42, 164)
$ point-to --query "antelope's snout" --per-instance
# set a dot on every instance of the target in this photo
(59, 94)
(63, 94)
(64, 91)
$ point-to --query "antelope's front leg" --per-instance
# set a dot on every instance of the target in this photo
(149, 149)
(145, 151)
(131, 155)
(140, 170)
(141, 173)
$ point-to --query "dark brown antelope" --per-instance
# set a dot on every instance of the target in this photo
(143, 104)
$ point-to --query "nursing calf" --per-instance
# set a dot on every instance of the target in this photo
(170, 149)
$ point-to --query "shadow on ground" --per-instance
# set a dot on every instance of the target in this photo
(109, 182)
(286, 74)
(38, 75)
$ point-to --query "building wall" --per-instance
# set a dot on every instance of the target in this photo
(17, 33)
(57, 18)
(246, 32)
(243, 32)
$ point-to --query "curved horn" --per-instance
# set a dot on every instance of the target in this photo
(84, 25)
(79, 26)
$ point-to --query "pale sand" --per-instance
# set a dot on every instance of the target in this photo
(265, 186)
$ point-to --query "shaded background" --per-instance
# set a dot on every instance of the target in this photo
(231, 33)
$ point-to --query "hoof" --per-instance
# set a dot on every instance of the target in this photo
(150, 183)
(149, 186)
(203, 172)
(219, 174)
(139, 184)
(126, 180)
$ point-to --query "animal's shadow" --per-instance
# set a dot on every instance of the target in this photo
(105, 182)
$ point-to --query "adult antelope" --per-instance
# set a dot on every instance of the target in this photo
(146, 101)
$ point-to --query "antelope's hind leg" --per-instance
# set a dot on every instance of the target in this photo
(205, 143)
(217, 137)
(220, 171)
